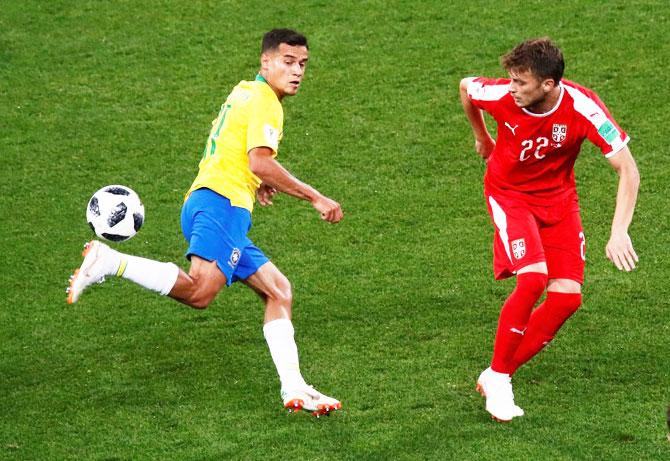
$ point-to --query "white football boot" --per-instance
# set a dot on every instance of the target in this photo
(309, 399)
(496, 388)
(99, 261)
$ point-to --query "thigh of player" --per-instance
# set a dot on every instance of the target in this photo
(565, 248)
(517, 242)
(217, 232)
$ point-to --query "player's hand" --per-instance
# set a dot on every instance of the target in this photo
(620, 251)
(265, 193)
(484, 147)
(329, 209)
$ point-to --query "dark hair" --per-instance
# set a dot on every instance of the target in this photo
(540, 56)
(274, 38)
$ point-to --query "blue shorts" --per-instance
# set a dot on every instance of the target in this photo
(217, 231)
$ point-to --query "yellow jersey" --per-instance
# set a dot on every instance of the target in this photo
(252, 116)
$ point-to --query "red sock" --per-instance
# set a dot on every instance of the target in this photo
(545, 321)
(514, 317)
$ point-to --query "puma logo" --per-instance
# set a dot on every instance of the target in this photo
(511, 128)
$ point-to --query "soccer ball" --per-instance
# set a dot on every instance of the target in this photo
(115, 213)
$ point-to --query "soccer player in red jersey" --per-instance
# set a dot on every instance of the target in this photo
(530, 193)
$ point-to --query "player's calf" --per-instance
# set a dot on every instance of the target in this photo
(543, 325)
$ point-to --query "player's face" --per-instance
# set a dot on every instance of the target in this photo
(284, 68)
(528, 90)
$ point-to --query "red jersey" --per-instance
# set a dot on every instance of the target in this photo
(535, 154)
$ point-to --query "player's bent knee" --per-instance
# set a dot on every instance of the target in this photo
(203, 283)
(278, 288)
(200, 303)
(532, 282)
(271, 285)
(282, 289)
(202, 296)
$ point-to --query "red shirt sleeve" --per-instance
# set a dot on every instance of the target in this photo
(486, 93)
(601, 128)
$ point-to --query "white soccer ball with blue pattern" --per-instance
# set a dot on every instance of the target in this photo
(115, 213)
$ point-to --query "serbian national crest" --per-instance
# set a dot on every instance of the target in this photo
(559, 131)
(519, 248)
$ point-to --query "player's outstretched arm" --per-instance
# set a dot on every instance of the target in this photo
(619, 248)
(484, 143)
(274, 175)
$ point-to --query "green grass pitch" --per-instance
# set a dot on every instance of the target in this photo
(395, 308)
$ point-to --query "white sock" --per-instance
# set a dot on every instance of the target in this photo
(279, 336)
(154, 275)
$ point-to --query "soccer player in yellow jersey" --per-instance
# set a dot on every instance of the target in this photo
(238, 165)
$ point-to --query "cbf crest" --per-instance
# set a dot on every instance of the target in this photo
(519, 248)
(234, 258)
(559, 132)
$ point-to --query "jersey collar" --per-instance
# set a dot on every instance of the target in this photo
(260, 78)
(553, 109)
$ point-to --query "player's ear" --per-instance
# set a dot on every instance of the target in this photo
(548, 84)
(265, 60)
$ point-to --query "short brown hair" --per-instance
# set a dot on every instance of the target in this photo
(540, 56)
(275, 37)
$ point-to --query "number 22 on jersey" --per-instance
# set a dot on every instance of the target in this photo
(528, 146)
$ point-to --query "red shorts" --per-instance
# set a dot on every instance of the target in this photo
(527, 234)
